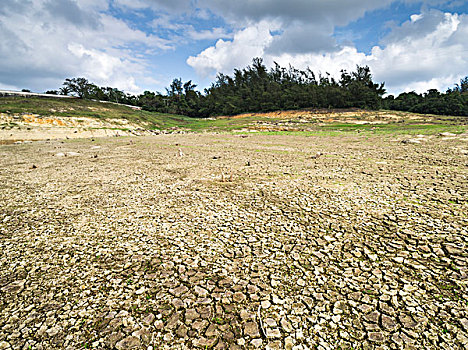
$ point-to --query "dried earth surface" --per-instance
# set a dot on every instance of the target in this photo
(235, 242)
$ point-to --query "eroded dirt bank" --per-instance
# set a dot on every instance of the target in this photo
(229, 242)
(27, 127)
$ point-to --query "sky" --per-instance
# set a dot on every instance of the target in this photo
(138, 45)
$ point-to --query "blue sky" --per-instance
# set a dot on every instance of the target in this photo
(139, 45)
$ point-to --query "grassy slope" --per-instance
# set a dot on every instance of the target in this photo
(86, 108)
(91, 109)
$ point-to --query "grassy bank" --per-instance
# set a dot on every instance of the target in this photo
(299, 122)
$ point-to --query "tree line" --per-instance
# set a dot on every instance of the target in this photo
(453, 102)
(258, 89)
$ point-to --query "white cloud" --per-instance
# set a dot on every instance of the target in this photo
(416, 17)
(44, 41)
(332, 62)
(227, 55)
(106, 69)
(428, 51)
(40, 47)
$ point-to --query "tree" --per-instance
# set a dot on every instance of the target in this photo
(81, 87)
(463, 86)
(64, 90)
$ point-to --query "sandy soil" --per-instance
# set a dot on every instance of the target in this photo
(229, 242)
(34, 127)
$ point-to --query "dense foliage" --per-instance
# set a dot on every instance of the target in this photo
(452, 102)
(257, 89)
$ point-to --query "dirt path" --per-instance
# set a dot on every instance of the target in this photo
(228, 242)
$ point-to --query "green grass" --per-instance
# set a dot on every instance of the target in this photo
(416, 128)
(335, 129)
(412, 125)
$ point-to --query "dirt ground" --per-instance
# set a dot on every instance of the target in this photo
(18, 128)
(234, 242)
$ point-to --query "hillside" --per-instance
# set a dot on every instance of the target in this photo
(47, 118)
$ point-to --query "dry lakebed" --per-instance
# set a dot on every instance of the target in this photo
(222, 241)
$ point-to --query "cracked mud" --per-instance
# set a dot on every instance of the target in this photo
(229, 242)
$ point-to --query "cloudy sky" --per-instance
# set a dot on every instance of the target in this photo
(138, 45)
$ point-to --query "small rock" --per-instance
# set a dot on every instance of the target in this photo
(212, 331)
(388, 323)
(149, 319)
(286, 325)
(14, 287)
(276, 300)
(245, 315)
(372, 317)
(407, 321)
(52, 332)
(273, 333)
(251, 329)
(413, 141)
(453, 249)
(140, 291)
(376, 337)
(301, 282)
(201, 292)
(131, 342)
(464, 323)
(4, 345)
(257, 342)
(288, 343)
(182, 331)
(72, 154)
(365, 308)
(159, 324)
(336, 318)
(238, 297)
(191, 314)
(180, 290)
(270, 322)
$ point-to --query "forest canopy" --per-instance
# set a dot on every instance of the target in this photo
(256, 88)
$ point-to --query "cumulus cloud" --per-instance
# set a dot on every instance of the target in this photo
(428, 51)
(227, 55)
(38, 45)
(118, 42)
